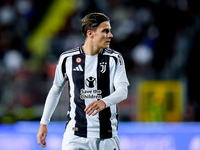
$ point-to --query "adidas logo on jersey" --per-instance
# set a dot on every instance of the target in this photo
(78, 68)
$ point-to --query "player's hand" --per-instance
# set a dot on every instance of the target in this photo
(94, 107)
(41, 136)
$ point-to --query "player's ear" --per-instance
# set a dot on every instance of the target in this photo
(90, 33)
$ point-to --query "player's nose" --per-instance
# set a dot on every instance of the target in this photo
(110, 35)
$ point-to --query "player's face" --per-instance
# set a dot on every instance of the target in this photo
(102, 35)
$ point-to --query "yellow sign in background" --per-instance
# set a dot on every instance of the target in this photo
(160, 101)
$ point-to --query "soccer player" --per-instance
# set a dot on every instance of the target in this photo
(97, 78)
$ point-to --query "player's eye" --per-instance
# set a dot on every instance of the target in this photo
(106, 31)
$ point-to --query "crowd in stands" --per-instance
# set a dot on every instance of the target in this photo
(159, 40)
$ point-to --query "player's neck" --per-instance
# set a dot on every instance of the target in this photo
(90, 49)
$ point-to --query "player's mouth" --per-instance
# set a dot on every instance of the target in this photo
(107, 42)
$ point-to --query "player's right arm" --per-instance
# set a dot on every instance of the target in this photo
(50, 105)
(51, 102)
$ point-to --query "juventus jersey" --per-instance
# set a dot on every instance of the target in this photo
(91, 78)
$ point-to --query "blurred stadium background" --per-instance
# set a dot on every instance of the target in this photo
(159, 40)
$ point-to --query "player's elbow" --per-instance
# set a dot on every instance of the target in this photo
(125, 95)
(122, 91)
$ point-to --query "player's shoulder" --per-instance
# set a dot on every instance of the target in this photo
(71, 52)
(115, 54)
(112, 52)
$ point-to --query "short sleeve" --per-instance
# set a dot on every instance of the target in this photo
(120, 74)
(60, 72)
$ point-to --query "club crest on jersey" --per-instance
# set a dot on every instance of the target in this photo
(78, 59)
(103, 67)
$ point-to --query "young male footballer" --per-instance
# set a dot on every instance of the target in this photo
(97, 79)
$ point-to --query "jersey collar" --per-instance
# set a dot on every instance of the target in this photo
(82, 52)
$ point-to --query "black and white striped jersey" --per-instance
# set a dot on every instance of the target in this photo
(91, 78)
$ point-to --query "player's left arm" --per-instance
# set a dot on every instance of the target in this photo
(121, 91)
(96, 106)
